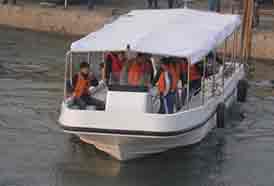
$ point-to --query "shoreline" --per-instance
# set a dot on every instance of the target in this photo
(77, 21)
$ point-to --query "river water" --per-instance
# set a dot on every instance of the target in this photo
(35, 152)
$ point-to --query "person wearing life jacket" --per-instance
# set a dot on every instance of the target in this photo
(174, 69)
(135, 71)
(140, 72)
(114, 64)
(164, 85)
(81, 83)
(194, 78)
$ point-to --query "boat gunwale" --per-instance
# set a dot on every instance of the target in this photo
(141, 132)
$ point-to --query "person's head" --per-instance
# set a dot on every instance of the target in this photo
(84, 67)
(121, 56)
(140, 58)
(164, 63)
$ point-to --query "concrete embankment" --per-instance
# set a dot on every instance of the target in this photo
(59, 20)
(79, 21)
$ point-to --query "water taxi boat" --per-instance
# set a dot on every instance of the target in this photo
(129, 127)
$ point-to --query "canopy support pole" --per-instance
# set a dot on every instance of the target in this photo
(188, 82)
(71, 67)
(224, 66)
(89, 58)
(236, 47)
(214, 70)
(234, 51)
(231, 53)
(66, 4)
(65, 75)
(204, 77)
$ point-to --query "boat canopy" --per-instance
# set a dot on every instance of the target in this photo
(184, 33)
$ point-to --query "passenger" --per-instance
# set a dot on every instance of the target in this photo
(124, 72)
(135, 71)
(81, 83)
(164, 85)
(194, 79)
(170, 3)
(140, 71)
(147, 70)
(114, 64)
(210, 61)
(152, 4)
(174, 69)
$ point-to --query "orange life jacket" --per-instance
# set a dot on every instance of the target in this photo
(184, 67)
(194, 72)
(116, 65)
(82, 86)
(175, 76)
(134, 74)
(161, 83)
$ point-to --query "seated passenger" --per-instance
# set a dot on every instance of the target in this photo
(114, 64)
(81, 83)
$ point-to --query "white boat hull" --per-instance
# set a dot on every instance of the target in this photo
(131, 136)
(130, 147)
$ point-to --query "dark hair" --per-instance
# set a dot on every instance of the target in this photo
(84, 65)
(165, 61)
(140, 54)
(102, 65)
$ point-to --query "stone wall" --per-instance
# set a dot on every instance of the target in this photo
(79, 21)
(263, 45)
(69, 22)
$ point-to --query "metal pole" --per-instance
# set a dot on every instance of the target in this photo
(231, 52)
(204, 77)
(188, 82)
(235, 48)
(214, 69)
(65, 75)
(88, 57)
(66, 4)
(71, 67)
(224, 68)
(185, 3)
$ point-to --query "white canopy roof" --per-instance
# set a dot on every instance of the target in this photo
(173, 32)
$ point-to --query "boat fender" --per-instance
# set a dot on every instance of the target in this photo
(220, 115)
(242, 90)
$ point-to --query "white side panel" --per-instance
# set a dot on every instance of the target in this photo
(126, 102)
